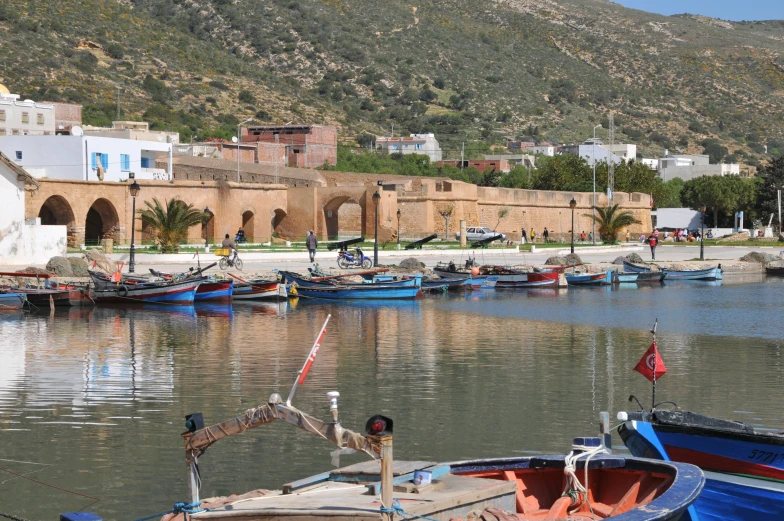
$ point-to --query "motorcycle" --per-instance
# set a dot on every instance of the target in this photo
(354, 260)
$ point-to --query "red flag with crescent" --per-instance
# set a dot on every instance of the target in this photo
(650, 362)
(312, 356)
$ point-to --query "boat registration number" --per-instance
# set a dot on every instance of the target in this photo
(766, 457)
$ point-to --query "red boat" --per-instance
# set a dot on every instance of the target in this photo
(258, 290)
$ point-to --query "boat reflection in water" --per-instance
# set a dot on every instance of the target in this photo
(222, 310)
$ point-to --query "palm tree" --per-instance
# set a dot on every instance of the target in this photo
(171, 222)
(610, 220)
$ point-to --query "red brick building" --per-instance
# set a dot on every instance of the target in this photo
(498, 165)
(293, 145)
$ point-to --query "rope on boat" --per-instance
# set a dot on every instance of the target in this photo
(397, 509)
(179, 508)
(573, 486)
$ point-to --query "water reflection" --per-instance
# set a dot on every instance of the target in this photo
(102, 396)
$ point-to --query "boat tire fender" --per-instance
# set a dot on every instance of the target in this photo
(122, 291)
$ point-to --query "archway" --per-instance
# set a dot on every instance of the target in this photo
(208, 227)
(278, 216)
(102, 222)
(247, 225)
(344, 217)
(57, 212)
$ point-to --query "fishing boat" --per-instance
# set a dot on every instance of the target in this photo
(182, 292)
(362, 291)
(484, 282)
(588, 483)
(633, 277)
(774, 271)
(43, 297)
(12, 300)
(589, 279)
(215, 291)
(432, 284)
(624, 277)
(743, 466)
(320, 282)
(651, 277)
(702, 274)
(507, 277)
(259, 289)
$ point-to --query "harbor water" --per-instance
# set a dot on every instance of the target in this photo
(93, 400)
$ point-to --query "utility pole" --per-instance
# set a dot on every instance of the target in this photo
(611, 165)
(118, 104)
(462, 155)
(593, 210)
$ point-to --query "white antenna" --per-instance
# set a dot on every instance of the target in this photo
(303, 373)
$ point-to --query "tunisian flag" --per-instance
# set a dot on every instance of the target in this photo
(647, 363)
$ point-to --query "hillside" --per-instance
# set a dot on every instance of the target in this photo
(465, 70)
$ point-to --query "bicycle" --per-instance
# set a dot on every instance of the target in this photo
(227, 261)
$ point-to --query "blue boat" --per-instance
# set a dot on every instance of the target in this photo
(448, 284)
(12, 300)
(215, 290)
(744, 467)
(625, 277)
(361, 291)
(703, 274)
(589, 279)
(303, 282)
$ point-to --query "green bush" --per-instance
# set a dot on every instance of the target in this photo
(115, 51)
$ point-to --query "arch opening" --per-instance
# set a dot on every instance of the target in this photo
(102, 222)
(344, 217)
(208, 227)
(278, 216)
(56, 211)
(247, 225)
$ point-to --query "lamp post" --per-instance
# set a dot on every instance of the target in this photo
(134, 189)
(593, 210)
(239, 127)
(376, 200)
(702, 233)
(572, 205)
(398, 225)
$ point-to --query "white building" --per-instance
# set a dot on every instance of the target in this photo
(689, 166)
(136, 130)
(87, 158)
(424, 144)
(548, 150)
(597, 151)
(22, 243)
(22, 118)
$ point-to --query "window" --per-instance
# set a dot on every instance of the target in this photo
(125, 162)
(419, 146)
(99, 158)
(2, 115)
(18, 155)
(2, 132)
(394, 147)
(25, 117)
(40, 119)
(145, 162)
(15, 132)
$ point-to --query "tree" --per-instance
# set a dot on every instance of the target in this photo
(518, 177)
(772, 180)
(564, 172)
(245, 96)
(502, 213)
(170, 221)
(719, 194)
(668, 194)
(116, 51)
(611, 220)
(446, 213)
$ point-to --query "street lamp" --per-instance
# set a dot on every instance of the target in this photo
(702, 233)
(593, 210)
(134, 189)
(398, 225)
(572, 205)
(238, 145)
(376, 200)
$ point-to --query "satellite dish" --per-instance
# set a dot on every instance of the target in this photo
(233, 139)
(76, 130)
(160, 138)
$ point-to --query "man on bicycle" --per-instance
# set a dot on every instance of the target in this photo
(230, 244)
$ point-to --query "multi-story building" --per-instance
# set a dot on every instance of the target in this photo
(309, 146)
(22, 118)
(689, 166)
(496, 165)
(425, 144)
(596, 151)
(87, 158)
(543, 148)
(136, 130)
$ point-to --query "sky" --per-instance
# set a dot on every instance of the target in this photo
(724, 9)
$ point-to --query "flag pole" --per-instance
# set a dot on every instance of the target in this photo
(308, 361)
(655, 352)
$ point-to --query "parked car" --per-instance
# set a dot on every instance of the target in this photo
(477, 233)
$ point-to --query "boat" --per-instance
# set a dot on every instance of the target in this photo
(743, 466)
(651, 277)
(507, 277)
(484, 282)
(259, 289)
(588, 483)
(633, 277)
(774, 271)
(624, 277)
(321, 282)
(589, 279)
(12, 300)
(80, 296)
(361, 291)
(182, 292)
(702, 274)
(445, 284)
(43, 297)
(215, 291)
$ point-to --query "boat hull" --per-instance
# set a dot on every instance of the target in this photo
(360, 291)
(171, 293)
(262, 290)
(744, 472)
(527, 280)
(12, 300)
(706, 274)
(589, 279)
(215, 291)
(44, 297)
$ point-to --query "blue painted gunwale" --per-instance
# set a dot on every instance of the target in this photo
(360, 291)
(12, 300)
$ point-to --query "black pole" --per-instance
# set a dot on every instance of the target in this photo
(572, 229)
(702, 236)
(655, 352)
(375, 241)
(398, 226)
(132, 262)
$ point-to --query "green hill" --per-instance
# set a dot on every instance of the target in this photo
(465, 70)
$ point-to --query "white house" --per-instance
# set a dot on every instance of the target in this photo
(87, 158)
(22, 244)
(27, 117)
(548, 150)
(597, 151)
(689, 166)
(425, 144)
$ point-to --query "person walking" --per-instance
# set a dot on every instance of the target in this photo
(545, 235)
(533, 236)
(312, 243)
(652, 242)
(523, 236)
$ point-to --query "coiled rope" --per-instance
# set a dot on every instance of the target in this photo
(179, 508)
(573, 486)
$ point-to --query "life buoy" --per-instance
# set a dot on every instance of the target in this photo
(122, 291)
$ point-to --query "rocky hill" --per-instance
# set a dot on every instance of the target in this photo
(463, 69)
